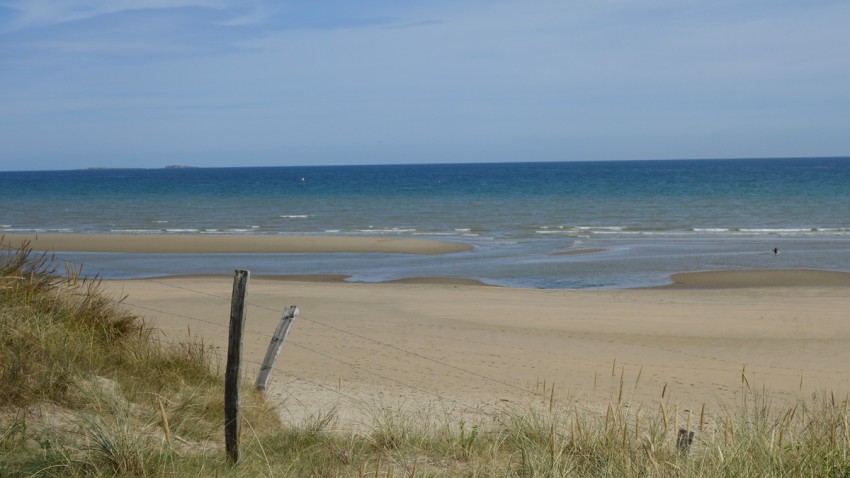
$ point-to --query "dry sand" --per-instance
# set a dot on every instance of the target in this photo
(183, 243)
(360, 347)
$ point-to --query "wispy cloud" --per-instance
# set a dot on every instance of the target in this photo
(35, 13)
(256, 13)
(662, 77)
(94, 47)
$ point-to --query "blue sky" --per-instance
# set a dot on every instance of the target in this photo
(147, 83)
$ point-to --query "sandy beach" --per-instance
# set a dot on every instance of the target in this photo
(357, 347)
(200, 244)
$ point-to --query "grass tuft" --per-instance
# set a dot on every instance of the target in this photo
(86, 384)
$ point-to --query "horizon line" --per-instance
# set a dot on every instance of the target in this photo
(181, 166)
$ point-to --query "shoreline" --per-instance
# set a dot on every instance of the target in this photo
(701, 280)
(187, 244)
(195, 244)
(323, 278)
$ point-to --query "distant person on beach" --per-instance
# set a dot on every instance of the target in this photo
(775, 251)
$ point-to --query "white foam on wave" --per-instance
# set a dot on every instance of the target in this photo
(626, 233)
(768, 230)
(295, 216)
(576, 229)
(136, 231)
(8, 228)
(600, 228)
(182, 230)
(679, 232)
(392, 230)
(586, 231)
(160, 222)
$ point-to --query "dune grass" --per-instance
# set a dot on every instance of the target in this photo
(86, 389)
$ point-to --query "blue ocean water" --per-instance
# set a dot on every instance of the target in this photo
(650, 218)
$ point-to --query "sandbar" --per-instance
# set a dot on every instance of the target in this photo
(575, 252)
(356, 348)
(737, 279)
(437, 280)
(202, 244)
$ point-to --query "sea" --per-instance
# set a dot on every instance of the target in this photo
(645, 220)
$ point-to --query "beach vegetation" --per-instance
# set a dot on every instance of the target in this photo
(88, 389)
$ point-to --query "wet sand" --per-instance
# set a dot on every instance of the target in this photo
(742, 279)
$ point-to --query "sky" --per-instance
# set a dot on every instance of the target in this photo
(149, 83)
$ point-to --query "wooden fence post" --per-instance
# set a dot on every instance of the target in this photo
(234, 364)
(273, 351)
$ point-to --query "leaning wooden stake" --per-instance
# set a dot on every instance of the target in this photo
(273, 351)
(234, 364)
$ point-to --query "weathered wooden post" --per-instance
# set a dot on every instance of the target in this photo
(273, 351)
(234, 364)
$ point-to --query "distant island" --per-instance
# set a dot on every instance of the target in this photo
(107, 168)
